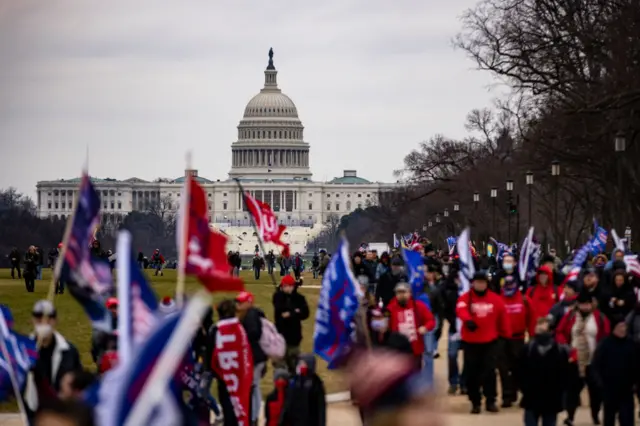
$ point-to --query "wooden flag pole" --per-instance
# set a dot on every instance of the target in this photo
(255, 229)
(183, 228)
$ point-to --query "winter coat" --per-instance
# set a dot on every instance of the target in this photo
(542, 373)
(559, 310)
(615, 364)
(296, 305)
(274, 405)
(385, 289)
(633, 326)
(497, 280)
(252, 323)
(625, 295)
(489, 314)
(563, 330)
(543, 297)
(305, 403)
(450, 293)
(408, 319)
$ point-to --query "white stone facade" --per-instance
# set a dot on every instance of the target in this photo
(271, 160)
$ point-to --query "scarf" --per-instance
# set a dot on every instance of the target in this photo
(232, 361)
(582, 344)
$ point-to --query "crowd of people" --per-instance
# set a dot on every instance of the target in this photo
(545, 338)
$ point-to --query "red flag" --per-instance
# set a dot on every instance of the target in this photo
(232, 360)
(268, 229)
(205, 253)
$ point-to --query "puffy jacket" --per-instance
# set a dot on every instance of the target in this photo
(563, 331)
(489, 314)
(543, 297)
(408, 319)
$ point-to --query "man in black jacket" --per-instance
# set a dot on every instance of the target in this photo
(385, 290)
(508, 268)
(290, 309)
(14, 258)
(30, 269)
(251, 319)
(542, 372)
(450, 293)
(615, 366)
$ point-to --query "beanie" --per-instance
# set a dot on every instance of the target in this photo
(167, 306)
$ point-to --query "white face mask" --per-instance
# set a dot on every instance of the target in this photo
(507, 266)
(44, 330)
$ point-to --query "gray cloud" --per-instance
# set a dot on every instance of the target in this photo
(141, 82)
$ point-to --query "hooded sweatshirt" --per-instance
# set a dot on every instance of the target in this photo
(543, 297)
(408, 319)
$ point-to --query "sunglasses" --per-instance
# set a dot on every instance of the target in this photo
(39, 315)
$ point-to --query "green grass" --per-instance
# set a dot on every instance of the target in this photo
(74, 325)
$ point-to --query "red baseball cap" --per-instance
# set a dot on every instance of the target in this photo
(245, 296)
(288, 281)
(112, 302)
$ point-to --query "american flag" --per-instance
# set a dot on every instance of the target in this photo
(144, 304)
(633, 265)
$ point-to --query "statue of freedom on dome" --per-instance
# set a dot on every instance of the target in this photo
(270, 66)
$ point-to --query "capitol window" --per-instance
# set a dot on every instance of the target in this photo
(337, 195)
(224, 194)
(359, 195)
(310, 206)
(328, 206)
(56, 206)
(348, 205)
(63, 205)
(70, 205)
(368, 195)
(55, 192)
(49, 194)
(120, 205)
(119, 194)
(328, 195)
(359, 205)
(337, 206)
(224, 206)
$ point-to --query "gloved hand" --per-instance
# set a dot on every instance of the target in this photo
(471, 325)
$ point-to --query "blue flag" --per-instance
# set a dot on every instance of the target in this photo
(337, 306)
(599, 241)
(415, 271)
(17, 356)
(88, 279)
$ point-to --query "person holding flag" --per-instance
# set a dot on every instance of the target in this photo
(484, 320)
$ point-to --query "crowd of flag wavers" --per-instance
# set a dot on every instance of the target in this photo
(547, 327)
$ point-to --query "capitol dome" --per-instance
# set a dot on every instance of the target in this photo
(270, 141)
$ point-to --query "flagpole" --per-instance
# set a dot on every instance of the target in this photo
(123, 248)
(60, 260)
(185, 207)
(156, 386)
(14, 381)
(255, 229)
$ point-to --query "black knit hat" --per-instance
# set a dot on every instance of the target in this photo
(585, 297)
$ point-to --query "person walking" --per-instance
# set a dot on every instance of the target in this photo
(542, 372)
(582, 329)
(615, 368)
(485, 320)
(30, 269)
(290, 309)
(14, 259)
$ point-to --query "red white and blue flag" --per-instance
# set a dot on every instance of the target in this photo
(17, 355)
(337, 307)
(88, 279)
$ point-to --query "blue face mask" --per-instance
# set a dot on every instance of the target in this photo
(507, 266)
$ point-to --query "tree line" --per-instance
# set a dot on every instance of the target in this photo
(572, 69)
(152, 228)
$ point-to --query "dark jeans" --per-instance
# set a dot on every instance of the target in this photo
(30, 281)
(620, 405)
(455, 378)
(508, 353)
(575, 386)
(256, 273)
(16, 267)
(532, 418)
(480, 370)
(60, 287)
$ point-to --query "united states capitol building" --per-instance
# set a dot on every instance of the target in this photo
(270, 159)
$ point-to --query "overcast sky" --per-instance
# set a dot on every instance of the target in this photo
(140, 82)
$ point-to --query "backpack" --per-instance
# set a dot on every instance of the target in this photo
(271, 342)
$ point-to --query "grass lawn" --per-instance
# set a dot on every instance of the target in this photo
(74, 325)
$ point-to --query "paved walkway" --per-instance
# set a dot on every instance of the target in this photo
(455, 411)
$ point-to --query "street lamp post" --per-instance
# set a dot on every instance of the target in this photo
(620, 147)
(456, 209)
(555, 172)
(509, 200)
(494, 195)
(529, 181)
(476, 200)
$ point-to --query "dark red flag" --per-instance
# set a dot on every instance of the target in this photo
(266, 223)
(206, 255)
